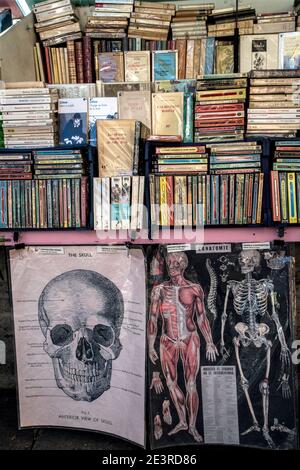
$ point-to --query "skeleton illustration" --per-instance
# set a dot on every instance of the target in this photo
(250, 301)
(212, 295)
(80, 315)
(180, 304)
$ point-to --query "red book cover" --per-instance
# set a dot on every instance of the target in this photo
(48, 66)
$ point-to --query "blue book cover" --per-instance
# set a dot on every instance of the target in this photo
(209, 56)
(3, 204)
(164, 65)
(101, 108)
(72, 114)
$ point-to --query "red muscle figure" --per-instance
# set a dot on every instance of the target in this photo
(180, 303)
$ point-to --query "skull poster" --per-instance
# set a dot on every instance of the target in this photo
(79, 316)
(220, 332)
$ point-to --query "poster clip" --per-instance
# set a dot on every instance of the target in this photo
(281, 230)
(19, 246)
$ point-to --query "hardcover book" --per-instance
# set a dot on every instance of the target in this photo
(72, 115)
(135, 105)
(167, 113)
(164, 65)
(100, 108)
(137, 66)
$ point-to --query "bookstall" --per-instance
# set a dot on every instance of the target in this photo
(149, 197)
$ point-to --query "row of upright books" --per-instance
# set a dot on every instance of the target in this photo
(221, 184)
(43, 189)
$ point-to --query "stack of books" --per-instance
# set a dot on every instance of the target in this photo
(109, 19)
(118, 203)
(56, 22)
(275, 23)
(223, 22)
(182, 160)
(15, 166)
(236, 170)
(29, 115)
(285, 182)
(151, 20)
(220, 107)
(190, 21)
(274, 103)
(49, 164)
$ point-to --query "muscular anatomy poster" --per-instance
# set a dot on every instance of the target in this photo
(219, 332)
(79, 316)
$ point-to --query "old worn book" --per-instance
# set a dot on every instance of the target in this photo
(116, 141)
(258, 52)
(224, 57)
(111, 66)
(135, 105)
(100, 108)
(137, 66)
(167, 113)
(181, 47)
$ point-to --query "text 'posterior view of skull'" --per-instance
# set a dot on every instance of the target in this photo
(81, 314)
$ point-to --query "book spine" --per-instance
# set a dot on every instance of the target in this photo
(79, 61)
(3, 205)
(84, 200)
(87, 60)
(49, 204)
(65, 203)
(188, 123)
(275, 196)
(292, 203)
(71, 61)
(260, 198)
(55, 194)
(77, 203)
(136, 150)
(283, 197)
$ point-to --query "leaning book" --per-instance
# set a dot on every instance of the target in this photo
(100, 108)
(80, 338)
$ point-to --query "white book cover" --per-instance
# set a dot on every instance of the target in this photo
(72, 114)
(289, 50)
(258, 52)
(101, 108)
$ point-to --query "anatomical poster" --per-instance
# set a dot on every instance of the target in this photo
(220, 346)
(79, 318)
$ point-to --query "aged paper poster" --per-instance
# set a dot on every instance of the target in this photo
(79, 317)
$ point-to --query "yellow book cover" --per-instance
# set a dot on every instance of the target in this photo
(164, 217)
(116, 144)
(135, 105)
(292, 198)
(137, 66)
(167, 113)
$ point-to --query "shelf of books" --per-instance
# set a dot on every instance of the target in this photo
(146, 122)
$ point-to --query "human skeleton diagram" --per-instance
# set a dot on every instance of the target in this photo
(180, 304)
(250, 302)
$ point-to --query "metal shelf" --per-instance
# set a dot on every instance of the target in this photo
(176, 236)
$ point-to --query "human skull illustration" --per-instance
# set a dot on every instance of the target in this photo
(80, 315)
(249, 260)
